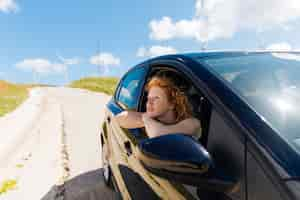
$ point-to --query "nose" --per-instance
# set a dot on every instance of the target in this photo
(150, 100)
(149, 103)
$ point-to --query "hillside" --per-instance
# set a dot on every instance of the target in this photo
(11, 96)
(96, 84)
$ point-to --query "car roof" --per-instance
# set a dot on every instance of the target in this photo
(223, 53)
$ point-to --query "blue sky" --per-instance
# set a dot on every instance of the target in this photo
(55, 41)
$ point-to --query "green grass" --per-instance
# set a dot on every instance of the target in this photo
(8, 185)
(106, 85)
(11, 96)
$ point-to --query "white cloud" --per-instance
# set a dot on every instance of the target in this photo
(41, 66)
(223, 18)
(155, 51)
(280, 46)
(69, 61)
(163, 29)
(8, 6)
(105, 59)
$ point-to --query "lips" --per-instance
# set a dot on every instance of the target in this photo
(150, 109)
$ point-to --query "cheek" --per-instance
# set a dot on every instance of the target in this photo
(164, 104)
(160, 106)
(153, 107)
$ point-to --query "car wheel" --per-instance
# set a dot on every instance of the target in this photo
(107, 174)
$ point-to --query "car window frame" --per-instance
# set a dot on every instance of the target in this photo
(181, 70)
(186, 66)
(119, 87)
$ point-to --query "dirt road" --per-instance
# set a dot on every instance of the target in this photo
(60, 146)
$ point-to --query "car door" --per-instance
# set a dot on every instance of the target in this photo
(126, 98)
(263, 183)
(226, 144)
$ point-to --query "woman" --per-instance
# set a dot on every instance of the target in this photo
(167, 111)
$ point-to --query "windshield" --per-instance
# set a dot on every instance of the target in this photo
(270, 83)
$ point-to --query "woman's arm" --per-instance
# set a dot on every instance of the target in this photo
(130, 119)
(155, 128)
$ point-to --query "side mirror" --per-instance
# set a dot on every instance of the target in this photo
(174, 153)
(181, 158)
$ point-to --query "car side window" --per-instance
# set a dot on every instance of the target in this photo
(130, 87)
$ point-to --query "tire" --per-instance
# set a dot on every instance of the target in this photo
(106, 172)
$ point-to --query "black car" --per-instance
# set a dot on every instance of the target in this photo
(247, 103)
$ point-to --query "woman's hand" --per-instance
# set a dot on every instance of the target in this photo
(146, 117)
(152, 126)
(130, 119)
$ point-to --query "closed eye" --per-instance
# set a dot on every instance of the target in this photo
(153, 98)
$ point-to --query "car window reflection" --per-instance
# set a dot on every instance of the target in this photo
(270, 84)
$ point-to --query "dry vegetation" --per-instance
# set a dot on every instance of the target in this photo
(106, 85)
(11, 96)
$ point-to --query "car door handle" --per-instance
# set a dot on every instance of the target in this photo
(128, 149)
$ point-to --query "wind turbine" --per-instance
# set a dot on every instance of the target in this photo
(206, 18)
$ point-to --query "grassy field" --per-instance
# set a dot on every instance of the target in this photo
(8, 185)
(11, 96)
(106, 85)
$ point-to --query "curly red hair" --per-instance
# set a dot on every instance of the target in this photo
(182, 108)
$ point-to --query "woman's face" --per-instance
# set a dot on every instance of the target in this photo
(157, 102)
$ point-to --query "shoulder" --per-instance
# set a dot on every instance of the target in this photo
(191, 121)
(194, 127)
(190, 124)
